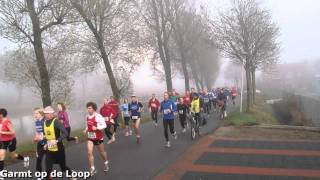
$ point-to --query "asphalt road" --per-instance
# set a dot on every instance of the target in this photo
(129, 160)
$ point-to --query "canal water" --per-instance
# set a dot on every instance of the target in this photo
(25, 128)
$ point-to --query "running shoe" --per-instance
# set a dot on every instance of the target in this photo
(138, 139)
(184, 130)
(127, 134)
(106, 166)
(93, 171)
(77, 139)
(110, 141)
(26, 162)
(175, 136)
(167, 144)
(130, 132)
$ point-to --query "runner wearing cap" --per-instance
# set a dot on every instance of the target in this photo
(135, 109)
(93, 131)
(8, 140)
(54, 133)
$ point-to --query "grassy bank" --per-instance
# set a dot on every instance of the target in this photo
(261, 113)
(29, 149)
(262, 133)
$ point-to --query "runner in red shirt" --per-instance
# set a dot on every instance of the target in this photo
(108, 111)
(186, 99)
(116, 107)
(154, 105)
(234, 94)
(8, 140)
(93, 131)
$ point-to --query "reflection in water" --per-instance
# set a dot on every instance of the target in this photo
(25, 128)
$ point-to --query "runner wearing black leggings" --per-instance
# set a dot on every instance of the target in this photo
(168, 108)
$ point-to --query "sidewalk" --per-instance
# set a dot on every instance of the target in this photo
(230, 158)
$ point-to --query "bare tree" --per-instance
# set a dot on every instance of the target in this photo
(110, 22)
(187, 29)
(26, 22)
(21, 68)
(245, 34)
(156, 15)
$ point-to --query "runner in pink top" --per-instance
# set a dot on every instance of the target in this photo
(64, 118)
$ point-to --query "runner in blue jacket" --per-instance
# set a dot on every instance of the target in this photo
(167, 108)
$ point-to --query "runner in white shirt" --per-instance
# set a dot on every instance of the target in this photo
(94, 133)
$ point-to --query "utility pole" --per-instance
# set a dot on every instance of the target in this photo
(241, 95)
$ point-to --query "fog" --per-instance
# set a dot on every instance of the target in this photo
(298, 70)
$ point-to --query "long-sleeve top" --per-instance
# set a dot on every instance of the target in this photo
(182, 109)
(39, 129)
(63, 116)
(168, 108)
(109, 113)
(154, 104)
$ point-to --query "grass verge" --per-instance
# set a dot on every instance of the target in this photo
(261, 113)
(262, 133)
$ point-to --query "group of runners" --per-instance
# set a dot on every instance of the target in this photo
(53, 127)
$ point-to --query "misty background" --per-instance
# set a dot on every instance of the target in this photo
(297, 71)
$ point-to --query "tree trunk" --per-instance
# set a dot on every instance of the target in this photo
(195, 75)
(112, 79)
(185, 73)
(201, 81)
(38, 49)
(162, 42)
(248, 77)
(167, 69)
(99, 38)
(253, 75)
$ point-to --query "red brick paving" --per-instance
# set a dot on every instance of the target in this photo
(186, 162)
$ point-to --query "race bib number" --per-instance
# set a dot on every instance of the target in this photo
(153, 105)
(167, 111)
(180, 111)
(135, 117)
(52, 145)
(206, 100)
(92, 135)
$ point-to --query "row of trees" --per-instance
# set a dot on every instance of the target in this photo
(247, 36)
(59, 38)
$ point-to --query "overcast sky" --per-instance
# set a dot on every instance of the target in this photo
(299, 22)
